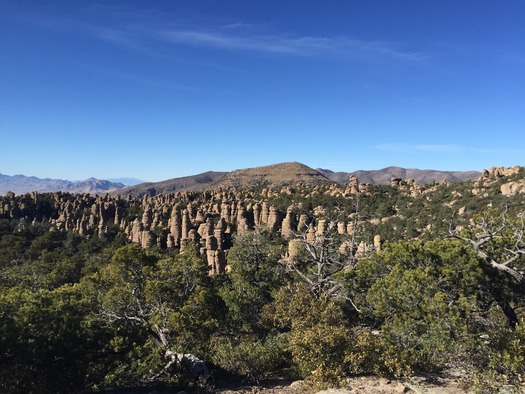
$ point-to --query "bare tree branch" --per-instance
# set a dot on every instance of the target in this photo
(320, 256)
(500, 243)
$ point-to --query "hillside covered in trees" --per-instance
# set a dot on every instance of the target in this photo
(311, 281)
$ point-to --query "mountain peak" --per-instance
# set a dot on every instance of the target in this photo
(280, 174)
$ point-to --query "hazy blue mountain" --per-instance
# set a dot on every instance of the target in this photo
(19, 184)
(127, 181)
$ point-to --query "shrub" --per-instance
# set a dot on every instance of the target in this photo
(250, 357)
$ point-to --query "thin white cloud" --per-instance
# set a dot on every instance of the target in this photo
(145, 35)
(438, 148)
(286, 44)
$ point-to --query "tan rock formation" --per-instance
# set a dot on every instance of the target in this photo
(226, 211)
(498, 172)
(257, 214)
(513, 188)
(395, 182)
(322, 226)
(377, 242)
(208, 228)
(353, 185)
(310, 235)
(186, 224)
(243, 224)
(147, 218)
(136, 232)
(199, 217)
(170, 242)
(265, 212)
(148, 239)
(288, 225)
(175, 225)
(302, 226)
(274, 219)
(194, 236)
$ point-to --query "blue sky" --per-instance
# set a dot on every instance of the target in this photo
(162, 89)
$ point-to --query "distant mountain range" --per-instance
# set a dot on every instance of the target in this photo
(291, 173)
(272, 175)
(385, 175)
(19, 184)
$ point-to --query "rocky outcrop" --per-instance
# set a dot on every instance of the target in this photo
(498, 172)
(289, 226)
(494, 174)
(211, 218)
(512, 188)
(169, 221)
(395, 182)
(353, 185)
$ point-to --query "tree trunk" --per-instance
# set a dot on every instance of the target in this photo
(506, 308)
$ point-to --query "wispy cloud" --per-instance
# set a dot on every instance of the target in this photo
(438, 148)
(285, 43)
(147, 34)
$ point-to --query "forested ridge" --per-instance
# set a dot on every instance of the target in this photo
(311, 282)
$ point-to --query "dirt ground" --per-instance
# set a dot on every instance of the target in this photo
(429, 384)
(356, 385)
